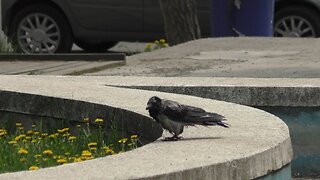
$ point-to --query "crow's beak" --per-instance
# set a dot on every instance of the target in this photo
(148, 107)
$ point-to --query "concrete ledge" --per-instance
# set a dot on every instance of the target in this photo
(245, 151)
(248, 91)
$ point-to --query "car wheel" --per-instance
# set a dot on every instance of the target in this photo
(41, 29)
(297, 21)
(95, 47)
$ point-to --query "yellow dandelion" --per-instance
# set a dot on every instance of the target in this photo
(99, 121)
(36, 133)
(33, 126)
(34, 141)
(66, 135)
(22, 159)
(61, 161)
(92, 144)
(72, 138)
(44, 134)
(93, 148)
(78, 126)
(47, 152)
(22, 151)
(109, 151)
(86, 120)
(21, 128)
(77, 160)
(3, 132)
(148, 46)
(87, 157)
(86, 153)
(165, 45)
(156, 42)
(123, 140)
(37, 156)
(28, 138)
(33, 168)
(18, 124)
(134, 136)
(162, 41)
(30, 132)
(53, 135)
(67, 154)
(60, 131)
(17, 138)
(12, 142)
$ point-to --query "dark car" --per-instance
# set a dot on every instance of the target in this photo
(41, 26)
(297, 18)
(49, 26)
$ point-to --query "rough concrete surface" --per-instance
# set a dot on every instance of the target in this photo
(229, 57)
(256, 143)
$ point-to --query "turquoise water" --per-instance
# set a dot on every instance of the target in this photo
(282, 174)
(304, 126)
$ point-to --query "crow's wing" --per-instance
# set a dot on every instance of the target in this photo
(189, 114)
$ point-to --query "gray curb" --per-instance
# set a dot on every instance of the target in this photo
(64, 57)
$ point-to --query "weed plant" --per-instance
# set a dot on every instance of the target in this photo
(6, 47)
(157, 44)
(33, 149)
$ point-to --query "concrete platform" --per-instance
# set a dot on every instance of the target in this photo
(228, 57)
(256, 144)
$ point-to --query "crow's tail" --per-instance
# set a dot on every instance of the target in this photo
(223, 124)
(214, 123)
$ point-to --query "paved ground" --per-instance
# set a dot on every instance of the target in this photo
(228, 57)
(220, 57)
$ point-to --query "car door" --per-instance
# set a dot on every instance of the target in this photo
(109, 15)
(153, 21)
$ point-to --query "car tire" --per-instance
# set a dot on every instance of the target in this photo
(98, 47)
(40, 28)
(302, 18)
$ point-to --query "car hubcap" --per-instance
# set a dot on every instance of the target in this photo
(38, 33)
(293, 26)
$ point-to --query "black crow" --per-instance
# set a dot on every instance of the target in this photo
(174, 116)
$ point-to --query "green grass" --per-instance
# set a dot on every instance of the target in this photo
(32, 149)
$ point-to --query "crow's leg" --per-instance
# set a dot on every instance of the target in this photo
(173, 138)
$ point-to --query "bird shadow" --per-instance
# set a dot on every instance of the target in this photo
(190, 139)
(200, 138)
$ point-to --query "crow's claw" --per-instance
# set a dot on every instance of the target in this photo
(173, 138)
